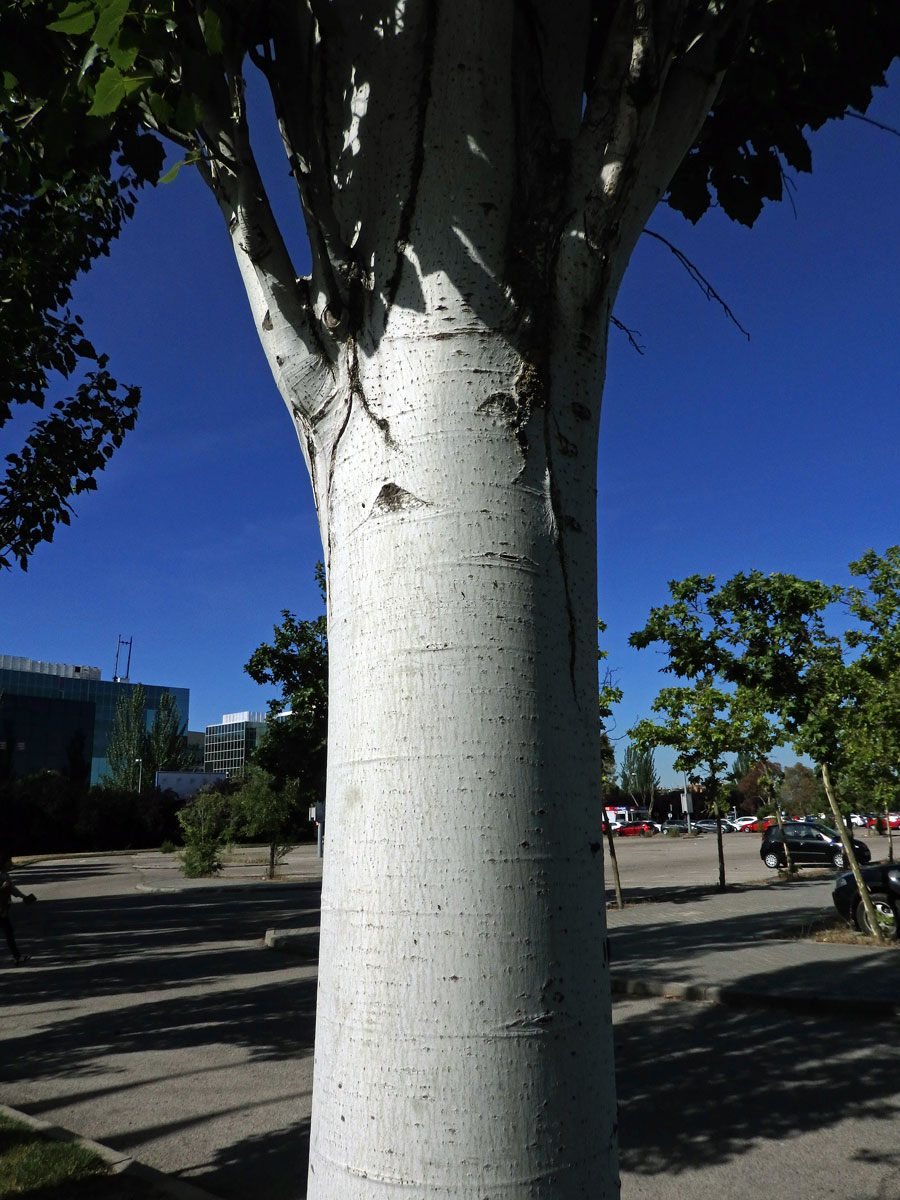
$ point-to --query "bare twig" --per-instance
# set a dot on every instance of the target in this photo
(631, 334)
(699, 278)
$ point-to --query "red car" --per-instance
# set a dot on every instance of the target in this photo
(893, 818)
(634, 829)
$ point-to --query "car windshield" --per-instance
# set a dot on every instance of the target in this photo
(826, 829)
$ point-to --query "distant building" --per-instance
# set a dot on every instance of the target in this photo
(59, 716)
(187, 783)
(230, 744)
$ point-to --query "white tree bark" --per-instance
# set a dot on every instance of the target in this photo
(470, 221)
(463, 1025)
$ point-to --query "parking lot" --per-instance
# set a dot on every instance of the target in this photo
(153, 1019)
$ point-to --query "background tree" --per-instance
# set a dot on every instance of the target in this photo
(265, 809)
(127, 742)
(753, 781)
(610, 694)
(705, 726)
(473, 179)
(207, 823)
(801, 792)
(165, 746)
(766, 635)
(295, 746)
(640, 778)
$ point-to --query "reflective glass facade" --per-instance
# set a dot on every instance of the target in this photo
(229, 745)
(34, 734)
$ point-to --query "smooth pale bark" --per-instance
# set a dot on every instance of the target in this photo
(470, 219)
(463, 1027)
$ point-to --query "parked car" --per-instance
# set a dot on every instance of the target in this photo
(708, 825)
(634, 829)
(892, 818)
(746, 824)
(811, 845)
(674, 827)
(883, 883)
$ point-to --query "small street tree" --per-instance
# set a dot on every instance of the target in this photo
(766, 636)
(873, 754)
(264, 808)
(705, 726)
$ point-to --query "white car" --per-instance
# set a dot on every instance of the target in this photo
(741, 822)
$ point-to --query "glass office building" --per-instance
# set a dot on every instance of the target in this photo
(58, 716)
(230, 744)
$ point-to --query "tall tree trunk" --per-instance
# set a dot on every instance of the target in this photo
(470, 217)
(850, 855)
(614, 863)
(463, 973)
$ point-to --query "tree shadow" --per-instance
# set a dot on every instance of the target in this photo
(702, 1085)
(272, 1164)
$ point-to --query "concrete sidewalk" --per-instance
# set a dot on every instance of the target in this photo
(741, 947)
(155, 1020)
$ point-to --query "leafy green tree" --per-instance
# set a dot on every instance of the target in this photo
(135, 753)
(872, 766)
(127, 742)
(207, 823)
(263, 808)
(165, 746)
(766, 635)
(640, 778)
(67, 184)
(705, 726)
(295, 745)
(801, 792)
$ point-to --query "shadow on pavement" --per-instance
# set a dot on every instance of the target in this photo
(702, 1084)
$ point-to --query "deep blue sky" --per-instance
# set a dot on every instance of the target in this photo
(717, 454)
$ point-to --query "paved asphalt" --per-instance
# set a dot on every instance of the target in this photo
(153, 1019)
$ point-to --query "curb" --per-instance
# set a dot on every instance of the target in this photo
(737, 997)
(302, 942)
(118, 1163)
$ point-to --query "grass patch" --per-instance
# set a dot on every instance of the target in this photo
(831, 928)
(38, 1167)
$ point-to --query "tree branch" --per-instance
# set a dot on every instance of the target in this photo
(699, 278)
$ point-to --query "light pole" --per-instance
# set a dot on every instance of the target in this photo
(140, 763)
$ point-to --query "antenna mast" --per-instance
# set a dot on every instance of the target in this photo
(117, 678)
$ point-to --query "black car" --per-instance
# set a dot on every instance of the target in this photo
(811, 845)
(883, 883)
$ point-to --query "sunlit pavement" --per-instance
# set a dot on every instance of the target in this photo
(153, 1019)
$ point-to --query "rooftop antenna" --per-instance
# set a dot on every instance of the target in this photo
(117, 678)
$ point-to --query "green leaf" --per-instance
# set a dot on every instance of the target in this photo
(112, 88)
(123, 56)
(212, 32)
(109, 93)
(172, 172)
(77, 17)
(110, 22)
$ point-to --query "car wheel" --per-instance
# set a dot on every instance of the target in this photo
(838, 859)
(771, 860)
(885, 914)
